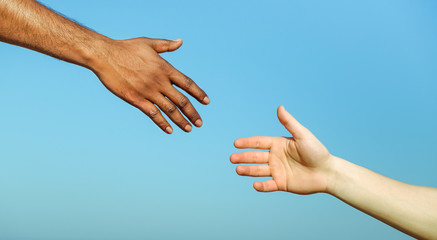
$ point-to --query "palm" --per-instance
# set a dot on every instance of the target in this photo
(295, 164)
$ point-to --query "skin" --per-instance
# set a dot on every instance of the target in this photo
(131, 69)
(302, 165)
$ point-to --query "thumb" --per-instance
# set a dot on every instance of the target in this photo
(291, 124)
(164, 45)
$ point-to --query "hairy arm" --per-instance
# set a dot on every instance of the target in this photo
(29, 24)
(131, 69)
(303, 165)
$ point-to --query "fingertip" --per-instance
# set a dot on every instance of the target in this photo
(206, 100)
(281, 109)
(198, 123)
(282, 115)
(237, 143)
(232, 158)
(239, 169)
(168, 130)
(178, 43)
(164, 45)
(258, 186)
(235, 157)
(188, 128)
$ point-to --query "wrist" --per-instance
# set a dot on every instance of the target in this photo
(95, 52)
(333, 173)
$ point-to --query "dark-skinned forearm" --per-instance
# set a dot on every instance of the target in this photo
(29, 24)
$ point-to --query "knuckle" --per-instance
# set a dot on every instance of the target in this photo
(259, 171)
(162, 124)
(159, 83)
(183, 101)
(170, 70)
(190, 112)
(133, 101)
(164, 66)
(182, 122)
(194, 116)
(188, 82)
(144, 39)
(249, 170)
(152, 112)
(166, 43)
(170, 108)
(202, 94)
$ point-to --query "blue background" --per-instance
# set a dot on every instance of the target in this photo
(78, 163)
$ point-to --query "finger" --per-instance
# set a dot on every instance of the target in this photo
(291, 124)
(184, 104)
(173, 113)
(254, 142)
(254, 170)
(266, 186)
(250, 157)
(189, 86)
(164, 45)
(153, 112)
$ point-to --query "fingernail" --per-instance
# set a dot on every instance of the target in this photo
(177, 40)
(168, 130)
(206, 100)
(188, 128)
(198, 123)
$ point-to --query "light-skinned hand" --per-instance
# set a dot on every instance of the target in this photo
(298, 164)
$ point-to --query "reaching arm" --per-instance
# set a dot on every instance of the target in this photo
(409, 208)
(302, 165)
(131, 69)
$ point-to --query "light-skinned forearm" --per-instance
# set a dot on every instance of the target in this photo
(408, 208)
(29, 24)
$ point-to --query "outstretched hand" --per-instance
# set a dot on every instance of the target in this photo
(134, 71)
(299, 164)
